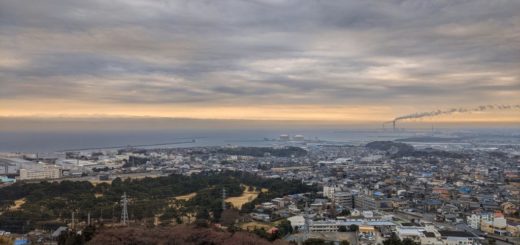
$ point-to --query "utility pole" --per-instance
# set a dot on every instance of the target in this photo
(113, 213)
(124, 212)
(223, 198)
(72, 221)
(333, 211)
(88, 218)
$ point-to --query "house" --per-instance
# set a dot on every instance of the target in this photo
(278, 202)
(261, 217)
(496, 225)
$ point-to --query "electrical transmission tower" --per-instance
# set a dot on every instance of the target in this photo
(124, 212)
(306, 227)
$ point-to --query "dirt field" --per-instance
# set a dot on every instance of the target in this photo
(17, 204)
(97, 182)
(186, 197)
(255, 225)
(246, 197)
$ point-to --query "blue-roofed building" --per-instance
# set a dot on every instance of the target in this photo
(378, 194)
(21, 242)
(426, 175)
(465, 190)
(5, 179)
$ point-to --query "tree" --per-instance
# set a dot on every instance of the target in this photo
(71, 238)
(261, 233)
(408, 241)
(314, 241)
(394, 240)
(354, 228)
(248, 207)
(201, 223)
(344, 242)
(342, 228)
(229, 217)
(284, 228)
(203, 214)
(89, 232)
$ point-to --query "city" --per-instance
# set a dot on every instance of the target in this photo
(260, 122)
(426, 190)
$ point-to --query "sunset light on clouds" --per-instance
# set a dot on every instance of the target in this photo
(262, 60)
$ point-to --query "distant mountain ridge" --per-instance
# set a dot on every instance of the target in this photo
(398, 149)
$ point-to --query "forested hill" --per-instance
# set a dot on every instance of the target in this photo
(52, 203)
(390, 147)
(263, 151)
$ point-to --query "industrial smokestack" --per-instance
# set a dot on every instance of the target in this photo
(393, 124)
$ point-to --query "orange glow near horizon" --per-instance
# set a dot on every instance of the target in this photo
(63, 108)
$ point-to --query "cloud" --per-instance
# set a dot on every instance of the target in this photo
(391, 53)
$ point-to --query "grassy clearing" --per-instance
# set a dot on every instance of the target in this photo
(246, 197)
(186, 197)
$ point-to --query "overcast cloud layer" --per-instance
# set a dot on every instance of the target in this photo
(379, 53)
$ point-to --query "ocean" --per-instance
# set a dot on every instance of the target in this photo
(52, 141)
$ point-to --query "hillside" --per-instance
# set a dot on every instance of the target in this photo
(176, 235)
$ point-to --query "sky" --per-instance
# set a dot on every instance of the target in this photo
(317, 60)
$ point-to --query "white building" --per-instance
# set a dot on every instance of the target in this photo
(474, 221)
(427, 234)
(297, 222)
(334, 225)
(458, 238)
(328, 191)
(44, 172)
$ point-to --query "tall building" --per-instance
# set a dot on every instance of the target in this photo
(344, 199)
(328, 191)
(365, 202)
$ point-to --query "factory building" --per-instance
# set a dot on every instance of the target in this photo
(299, 137)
